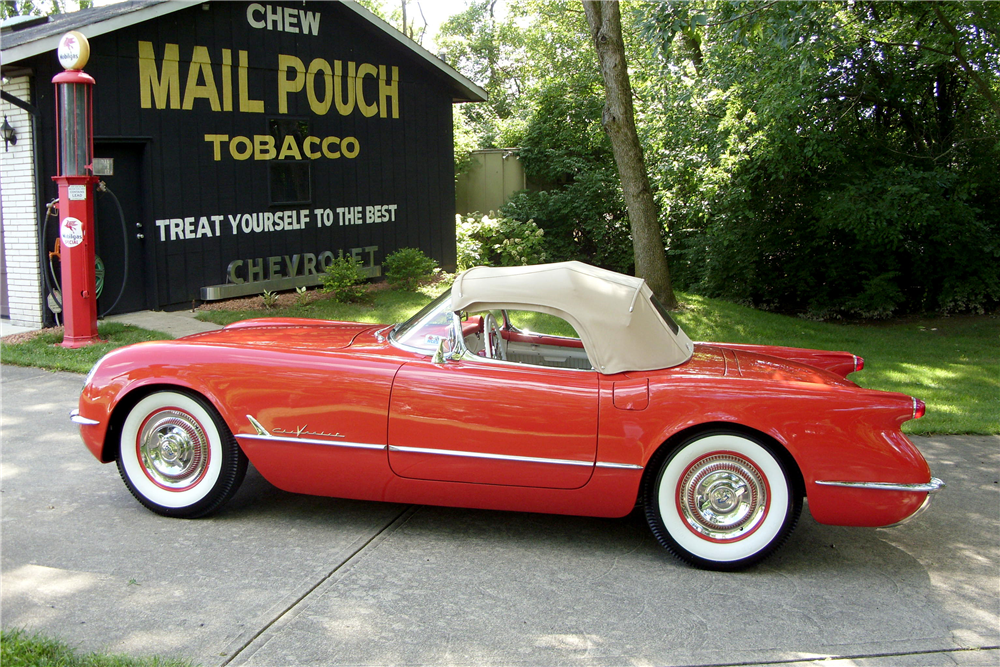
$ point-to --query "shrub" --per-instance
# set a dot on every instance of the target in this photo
(302, 296)
(269, 298)
(497, 241)
(408, 267)
(344, 279)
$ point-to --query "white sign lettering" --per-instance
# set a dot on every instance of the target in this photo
(267, 222)
(283, 19)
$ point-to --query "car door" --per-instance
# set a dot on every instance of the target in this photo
(491, 422)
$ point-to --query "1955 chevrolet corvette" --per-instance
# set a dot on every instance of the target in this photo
(463, 405)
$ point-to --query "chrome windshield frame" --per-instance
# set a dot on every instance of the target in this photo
(431, 310)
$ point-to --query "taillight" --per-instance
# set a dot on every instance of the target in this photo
(859, 363)
(919, 408)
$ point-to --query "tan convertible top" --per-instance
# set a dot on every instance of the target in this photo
(613, 313)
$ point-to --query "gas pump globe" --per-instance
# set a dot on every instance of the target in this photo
(74, 157)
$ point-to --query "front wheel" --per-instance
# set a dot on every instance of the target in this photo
(177, 456)
(722, 501)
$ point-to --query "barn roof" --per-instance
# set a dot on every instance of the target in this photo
(24, 37)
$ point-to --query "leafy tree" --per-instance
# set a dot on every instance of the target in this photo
(575, 197)
(833, 158)
(827, 157)
(618, 120)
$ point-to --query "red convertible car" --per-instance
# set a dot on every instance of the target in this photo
(606, 404)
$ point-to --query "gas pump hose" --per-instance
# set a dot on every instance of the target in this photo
(50, 286)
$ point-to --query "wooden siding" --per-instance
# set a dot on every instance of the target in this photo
(405, 161)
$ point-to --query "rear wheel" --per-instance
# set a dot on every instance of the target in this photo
(177, 456)
(722, 501)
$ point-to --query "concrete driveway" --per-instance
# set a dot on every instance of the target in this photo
(279, 579)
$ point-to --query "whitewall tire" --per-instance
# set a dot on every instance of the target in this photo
(722, 500)
(177, 456)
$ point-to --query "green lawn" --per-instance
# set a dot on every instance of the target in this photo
(952, 363)
(20, 649)
(44, 352)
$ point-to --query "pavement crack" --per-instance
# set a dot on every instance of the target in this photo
(356, 551)
(860, 656)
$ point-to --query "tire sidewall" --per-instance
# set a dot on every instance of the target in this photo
(670, 528)
(169, 502)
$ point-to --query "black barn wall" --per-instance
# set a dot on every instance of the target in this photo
(405, 161)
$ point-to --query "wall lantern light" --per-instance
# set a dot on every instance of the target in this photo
(9, 134)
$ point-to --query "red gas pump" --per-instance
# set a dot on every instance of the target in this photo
(74, 157)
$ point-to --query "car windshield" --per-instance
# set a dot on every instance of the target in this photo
(424, 331)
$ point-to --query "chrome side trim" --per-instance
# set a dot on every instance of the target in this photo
(932, 486)
(619, 466)
(74, 416)
(493, 457)
(310, 441)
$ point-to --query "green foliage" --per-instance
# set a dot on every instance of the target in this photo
(345, 280)
(577, 200)
(269, 299)
(20, 649)
(384, 307)
(498, 241)
(828, 159)
(408, 267)
(831, 159)
(302, 296)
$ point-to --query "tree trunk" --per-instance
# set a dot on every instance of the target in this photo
(619, 122)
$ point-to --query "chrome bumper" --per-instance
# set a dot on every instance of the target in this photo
(74, 416)
(930, 488)
(933, 486)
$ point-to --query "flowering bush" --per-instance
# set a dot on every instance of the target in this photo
(497, 241)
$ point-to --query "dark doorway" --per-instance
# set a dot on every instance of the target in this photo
(128, 184)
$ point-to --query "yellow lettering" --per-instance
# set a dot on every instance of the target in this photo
(366, 69)
(343, 108)
(326, 147)
(289, 148)
(319, 107)
(164, 87)
(200, 63)
(284, 85)
(217, 140)
(227, 80)
(350, 152)
(388, 89)
(246, 104)
(236, 152)
(263, 147)
(312, 155)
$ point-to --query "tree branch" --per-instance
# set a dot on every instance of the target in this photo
(913, 45)
(983, 87)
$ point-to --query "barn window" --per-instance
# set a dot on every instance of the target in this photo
(290, 179)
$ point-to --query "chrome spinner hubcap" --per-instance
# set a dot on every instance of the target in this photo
(173, 449)
(723, 497)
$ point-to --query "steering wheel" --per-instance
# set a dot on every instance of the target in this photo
(494, 341)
